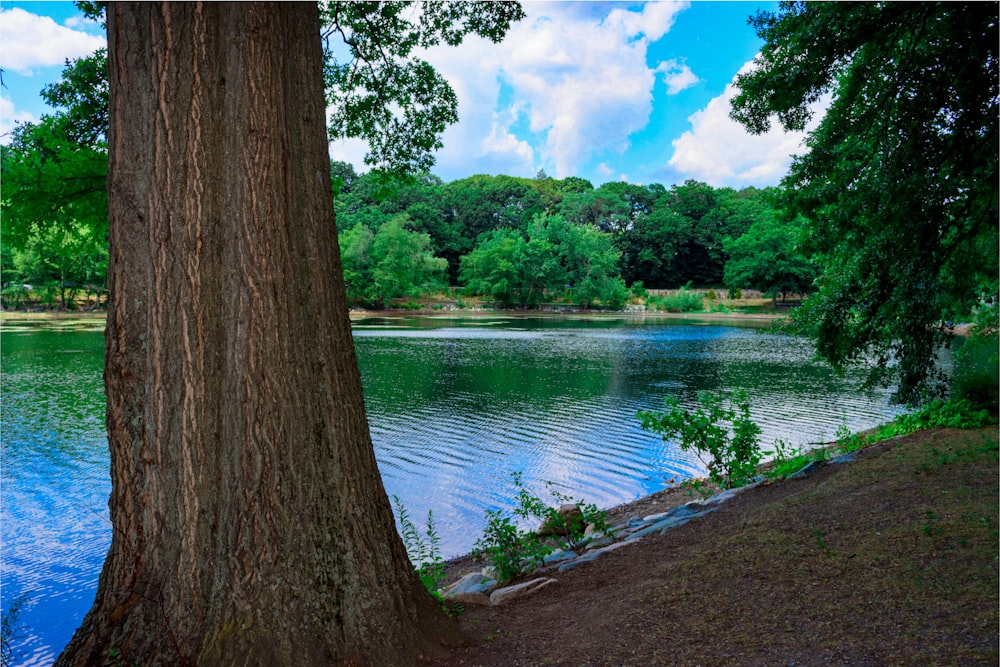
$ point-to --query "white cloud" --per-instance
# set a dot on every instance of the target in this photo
(568, 82)
(482, 141)
(31, 41)
(584, 82)
(677, 75)
(653, 22)
(502, 142)
(9, 118)
(719, 151)
(351, 151)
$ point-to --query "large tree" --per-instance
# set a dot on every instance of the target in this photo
(899, 184)
(767, 258)
(250, 524)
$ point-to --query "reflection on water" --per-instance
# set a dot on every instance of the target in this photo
(455, 407)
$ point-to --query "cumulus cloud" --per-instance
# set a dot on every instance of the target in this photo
(31, 41)
(568, 82)
(719, 151)
(585, 84)
(677, 75)
(9, 118)
(483, 140)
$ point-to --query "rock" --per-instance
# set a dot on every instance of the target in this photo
(693, 508)
(593, 555)
(504, 595)
(599, 542)
(846, 458)
(729, 493)
(473, 588)
(659, 527)
(570, 521)
(585, 558)
(559, 555)
(806, 471)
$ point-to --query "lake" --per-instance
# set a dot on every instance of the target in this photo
(455, 407)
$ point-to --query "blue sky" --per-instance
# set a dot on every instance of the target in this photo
(602, 90)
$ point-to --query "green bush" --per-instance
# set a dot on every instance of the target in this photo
(953, 413)
(684, 301)
(511, 551)
(976, 377)
(732, 458)
(424, 553)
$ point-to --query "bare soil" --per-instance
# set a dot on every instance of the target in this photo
(890, 560)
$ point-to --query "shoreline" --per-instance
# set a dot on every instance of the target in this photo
(476, 313)
(652, 503)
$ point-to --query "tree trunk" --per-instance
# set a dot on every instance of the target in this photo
(250, 524)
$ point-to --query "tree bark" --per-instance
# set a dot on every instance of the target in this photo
(250, 524)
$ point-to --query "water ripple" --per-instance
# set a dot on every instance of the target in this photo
(455, 409)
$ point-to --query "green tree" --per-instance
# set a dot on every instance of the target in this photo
(767, 258)
(899, 183)
(482, 203)
(58, 261)
(54, 171)
(250, 524)
(550, 257)
(553, 191)
(355, 257)
(651, 249)
(383, 92)
(601, 208)
(490, 269)
(588, 259)
(405, 265)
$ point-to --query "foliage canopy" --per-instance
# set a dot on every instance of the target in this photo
(384, 92)
(899, 186)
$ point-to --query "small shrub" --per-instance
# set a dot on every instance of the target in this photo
(732, 458)
(424, 553)
(638, 290)
(953, 413)
(976, 377)
(684, 301)
(511, 551)
(789, 460)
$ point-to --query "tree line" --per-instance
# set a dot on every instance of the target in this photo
(514, 241)
(884, 218)
(519, 241)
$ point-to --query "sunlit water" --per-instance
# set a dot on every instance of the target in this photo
(455, 407)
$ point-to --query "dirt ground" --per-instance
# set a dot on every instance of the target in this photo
(891, 560)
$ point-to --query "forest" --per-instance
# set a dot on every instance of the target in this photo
(513, 242)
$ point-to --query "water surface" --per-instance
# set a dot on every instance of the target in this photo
(455, 407)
